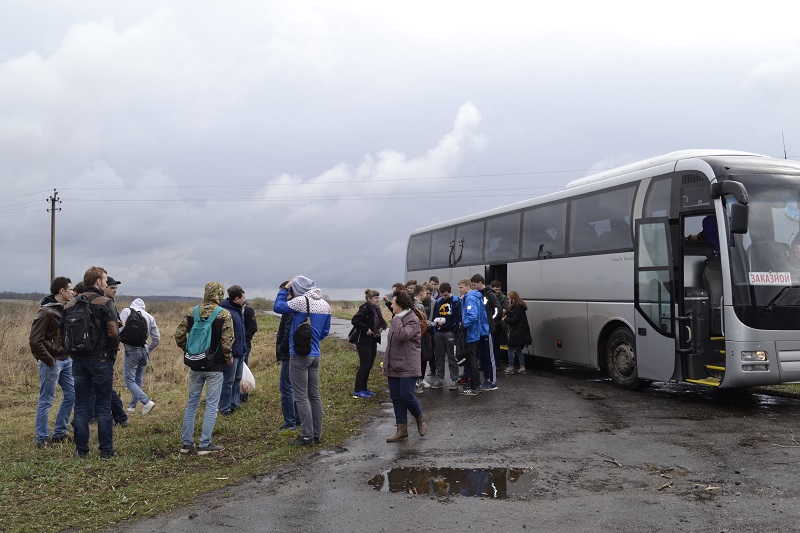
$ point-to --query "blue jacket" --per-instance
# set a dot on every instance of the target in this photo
(320, 316)
(239, 347)
(473, 317)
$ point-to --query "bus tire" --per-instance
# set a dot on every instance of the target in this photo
(621, 360)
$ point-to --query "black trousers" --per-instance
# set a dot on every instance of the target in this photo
(366, 358)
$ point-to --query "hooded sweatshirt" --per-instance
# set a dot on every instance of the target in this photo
(152, 328)
(320, 313)
(473, 317)
(211, 299)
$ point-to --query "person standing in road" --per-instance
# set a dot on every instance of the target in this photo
(475, 326)
(447, 318)
(221, 342)
(519, 332)
(486, 342)
(55, 365)
(302, 297)
(137, 351)
(401, 364)
(369, 322)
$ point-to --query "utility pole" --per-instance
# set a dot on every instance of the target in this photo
(53, 201)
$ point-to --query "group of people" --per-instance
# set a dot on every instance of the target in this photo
(83, 364)
(432, 327)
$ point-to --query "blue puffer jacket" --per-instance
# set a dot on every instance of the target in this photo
(320, 315)
(473, 317)
(239, 342)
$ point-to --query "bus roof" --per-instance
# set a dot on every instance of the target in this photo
(594, 179)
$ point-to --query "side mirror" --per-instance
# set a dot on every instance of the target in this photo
(730, 187)
(740, 213)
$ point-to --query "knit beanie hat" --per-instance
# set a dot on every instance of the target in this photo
(301, 285)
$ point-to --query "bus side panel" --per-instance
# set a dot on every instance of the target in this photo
(559, 330)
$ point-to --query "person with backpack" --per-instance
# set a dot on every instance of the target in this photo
(206, 337)
(55, 365)
(139, 325)
(291, 419)
(311, 323)
(90, 330)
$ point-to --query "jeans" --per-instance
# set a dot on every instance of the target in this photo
(366, 358)
(289, 409)
(401, 391)
(213, 381)
(443, 344)
(118, 414)
(304, 373)
(135, 363)
(229, 398)
(93, 375)
(515, 350)
(50, 376)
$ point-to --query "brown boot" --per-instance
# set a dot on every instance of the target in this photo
(400, 435)
(422, 427)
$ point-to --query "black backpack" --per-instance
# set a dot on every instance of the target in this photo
(79, 328)
(135, 331)
(302, 335)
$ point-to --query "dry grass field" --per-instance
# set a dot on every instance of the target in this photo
(50, 489)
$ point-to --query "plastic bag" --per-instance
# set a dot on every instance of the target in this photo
(248, 381)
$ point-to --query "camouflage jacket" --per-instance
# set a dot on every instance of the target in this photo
(211, 299)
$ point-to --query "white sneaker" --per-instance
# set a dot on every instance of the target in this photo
(425, 384)
(148, 407)
(131, 409)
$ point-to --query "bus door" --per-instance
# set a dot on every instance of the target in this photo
(702, 346)
(653, 295)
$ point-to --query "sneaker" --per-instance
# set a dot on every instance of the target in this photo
(186, 448)
(438, 384)
(463, 381)
(521, 370)
(317, 441)
(469, 392)
(425, 384)
(418, 390)
(62, 438)
(360, 394)
(302, 441)
(43, 444)
(453, 386)
(489, 385)
(508, 370)
(226, 413)
(131, 409)
(148, 407)
(108, 455)
(205, 450)
(287, 427)
(125, 424)
(368, 393)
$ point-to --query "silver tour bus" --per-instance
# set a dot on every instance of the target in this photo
(683, 267)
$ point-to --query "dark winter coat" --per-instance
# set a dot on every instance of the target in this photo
(239, 347)
(283, 336)
(519, 332)
(364, 320)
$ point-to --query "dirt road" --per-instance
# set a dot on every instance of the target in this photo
(557, 450)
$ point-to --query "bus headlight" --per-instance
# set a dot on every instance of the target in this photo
(757, 355)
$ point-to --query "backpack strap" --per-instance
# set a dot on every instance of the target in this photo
(213, 316)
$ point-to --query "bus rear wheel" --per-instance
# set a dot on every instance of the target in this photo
(621, 360)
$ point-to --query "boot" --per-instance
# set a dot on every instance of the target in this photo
(422, 427)
(400, 435)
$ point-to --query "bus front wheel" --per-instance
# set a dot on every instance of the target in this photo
(621, 360)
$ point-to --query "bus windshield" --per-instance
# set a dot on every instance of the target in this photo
(766, 260)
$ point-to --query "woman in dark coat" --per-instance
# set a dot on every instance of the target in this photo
(369, 322)
(401, 364)
(519, 332)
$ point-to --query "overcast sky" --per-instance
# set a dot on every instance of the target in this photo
(244, 142)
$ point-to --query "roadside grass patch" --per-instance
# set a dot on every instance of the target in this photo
(51, 489)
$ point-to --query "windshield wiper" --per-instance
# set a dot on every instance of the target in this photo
(772, 303)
